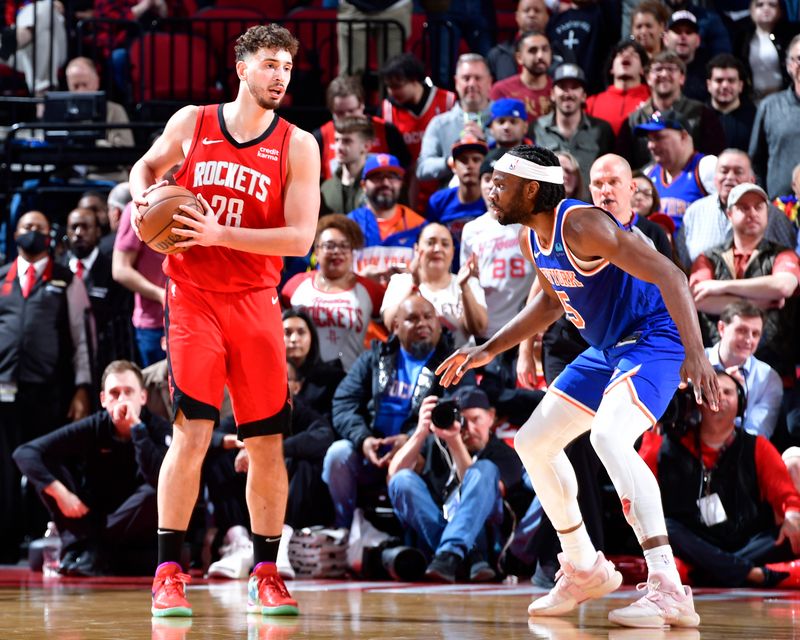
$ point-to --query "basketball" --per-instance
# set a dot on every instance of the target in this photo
(156, 224)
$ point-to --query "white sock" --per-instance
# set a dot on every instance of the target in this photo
(661, 559)
(578, 548)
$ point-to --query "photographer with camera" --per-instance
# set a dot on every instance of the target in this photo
(449, 480)
(375, 407)
(727, 489)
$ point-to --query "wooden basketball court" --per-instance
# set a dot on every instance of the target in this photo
(111, 608)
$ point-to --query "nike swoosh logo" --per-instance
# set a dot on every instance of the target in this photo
(274, 299)
(536, 254)
(207, 141)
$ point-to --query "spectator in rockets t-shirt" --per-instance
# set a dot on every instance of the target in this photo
(339, 302)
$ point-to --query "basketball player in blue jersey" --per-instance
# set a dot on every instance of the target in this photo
(633, 306)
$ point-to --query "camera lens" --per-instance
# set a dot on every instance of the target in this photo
(445, 413)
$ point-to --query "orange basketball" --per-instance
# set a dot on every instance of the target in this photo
(156, 224)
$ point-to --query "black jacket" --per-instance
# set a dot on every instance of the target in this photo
(358, 397)
(112, 305)
(35, 342)
(734, 479)
(108, 470)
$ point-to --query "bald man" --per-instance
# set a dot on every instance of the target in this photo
(82, 77)
(612, 187)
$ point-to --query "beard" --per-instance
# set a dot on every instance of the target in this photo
(383, 199)
(419, 350)
(511, 216)
(263, 99)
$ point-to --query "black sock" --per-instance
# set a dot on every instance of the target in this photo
(773, 578)
(170, 545)
(265, 549)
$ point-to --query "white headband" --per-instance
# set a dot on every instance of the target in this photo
(529, 170)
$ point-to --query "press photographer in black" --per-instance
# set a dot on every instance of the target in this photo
(732, 512)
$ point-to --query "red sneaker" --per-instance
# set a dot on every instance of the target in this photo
(792, 581)
(267, 594)
(169, 586)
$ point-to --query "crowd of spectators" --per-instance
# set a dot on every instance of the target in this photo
(409, 263)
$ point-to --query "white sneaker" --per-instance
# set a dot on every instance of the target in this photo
(574, 586)
(362, 535)
(237, 556)
(665, 603)
(285, 568)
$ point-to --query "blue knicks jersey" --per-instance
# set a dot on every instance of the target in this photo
(604, 302)
(685, 188)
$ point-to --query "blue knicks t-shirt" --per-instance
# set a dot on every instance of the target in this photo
(445, 208)
(604, 302)
(395, 402)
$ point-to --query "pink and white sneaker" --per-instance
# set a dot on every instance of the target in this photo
(574, 586)
(665, 603)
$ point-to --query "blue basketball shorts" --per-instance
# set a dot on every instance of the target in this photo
(648, 361)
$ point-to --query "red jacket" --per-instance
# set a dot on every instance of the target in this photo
(774, 482)
(613, 105)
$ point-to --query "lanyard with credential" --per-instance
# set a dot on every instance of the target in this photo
(706, 473)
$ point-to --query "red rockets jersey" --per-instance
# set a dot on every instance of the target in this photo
(413, 126)
(243, 182)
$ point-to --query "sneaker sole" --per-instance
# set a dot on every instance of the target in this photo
(609, 586)
(655, 622)
(281, 610)
(172, 612)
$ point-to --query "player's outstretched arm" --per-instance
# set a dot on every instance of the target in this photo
(540, 312)
(590, 233)
(300, 211)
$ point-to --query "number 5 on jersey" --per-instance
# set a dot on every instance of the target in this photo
(571, 312)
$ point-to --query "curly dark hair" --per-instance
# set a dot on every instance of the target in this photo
(405, 66)
(265, 36)
(619, 48)
(349, 228)
(550, 194)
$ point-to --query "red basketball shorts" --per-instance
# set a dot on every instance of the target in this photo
(214, 339)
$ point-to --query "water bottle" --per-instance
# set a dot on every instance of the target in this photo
(51, 551)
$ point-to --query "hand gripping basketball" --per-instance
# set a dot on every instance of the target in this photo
(156, 222)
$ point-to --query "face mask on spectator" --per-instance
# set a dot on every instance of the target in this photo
(33, 242)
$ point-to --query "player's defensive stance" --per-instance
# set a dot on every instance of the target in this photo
(634, 308)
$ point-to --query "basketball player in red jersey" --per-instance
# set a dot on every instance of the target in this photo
(257, 177)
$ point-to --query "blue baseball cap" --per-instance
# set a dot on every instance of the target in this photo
(382, 162)
(509, 108)
(661, 120)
